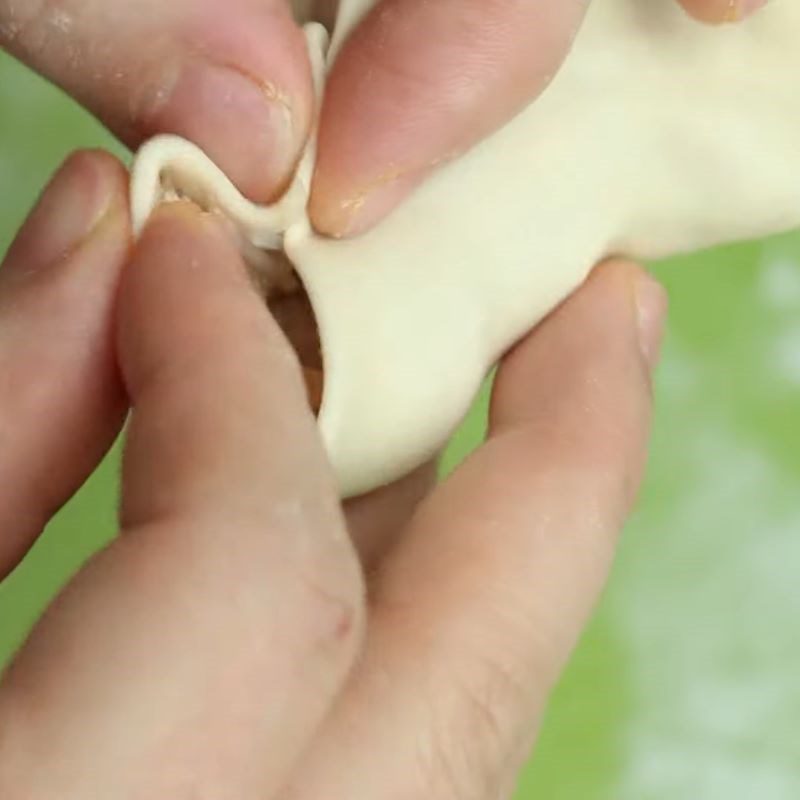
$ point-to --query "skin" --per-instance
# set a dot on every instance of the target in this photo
(411, 90)
(237, 640)
(245, 636)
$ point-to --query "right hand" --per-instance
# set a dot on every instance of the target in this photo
(233, 77)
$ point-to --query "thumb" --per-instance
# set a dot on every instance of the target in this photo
(419, 82)
(233, 77)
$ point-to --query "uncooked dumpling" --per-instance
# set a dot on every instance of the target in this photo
(658, 136)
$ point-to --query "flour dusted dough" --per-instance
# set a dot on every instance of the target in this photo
(658, 136)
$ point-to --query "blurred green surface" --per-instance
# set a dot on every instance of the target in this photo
(686, 686)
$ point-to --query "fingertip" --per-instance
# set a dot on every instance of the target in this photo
(220, 418)
(60, 384)
(652, 304)
(93, 169)
(339, 210)
(420, 83)
(716, 12)
(215, 106)
(88, 186)
(236, 81)
(102, 161)
(600, 343)
(110, 179)
(329, 215)
(177, 220)
(188, 238)
(242, 91)
(183, 257)
(109, 169)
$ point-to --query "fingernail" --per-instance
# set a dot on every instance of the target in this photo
(71, 208)
(751, 6)
(244, 123)
(651, 311)
(190, 216)
(359, 212)
(185, 216)
(739, 9)
(370, 208)
(364, 206)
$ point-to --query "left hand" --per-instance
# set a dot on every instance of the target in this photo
(223, 645)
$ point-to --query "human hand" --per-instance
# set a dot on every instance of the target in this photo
(419, 83)
(410, 90)
(242, 637)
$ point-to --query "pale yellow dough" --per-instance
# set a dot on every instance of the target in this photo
(658, 136)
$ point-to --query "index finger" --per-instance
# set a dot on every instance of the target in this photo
(201, 650)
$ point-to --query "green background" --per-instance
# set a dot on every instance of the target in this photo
(686, 685)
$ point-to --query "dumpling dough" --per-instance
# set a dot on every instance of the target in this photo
(658, 136)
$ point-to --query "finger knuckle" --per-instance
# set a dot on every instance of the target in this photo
(324, 590)
(476, 733)
(329, 599)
